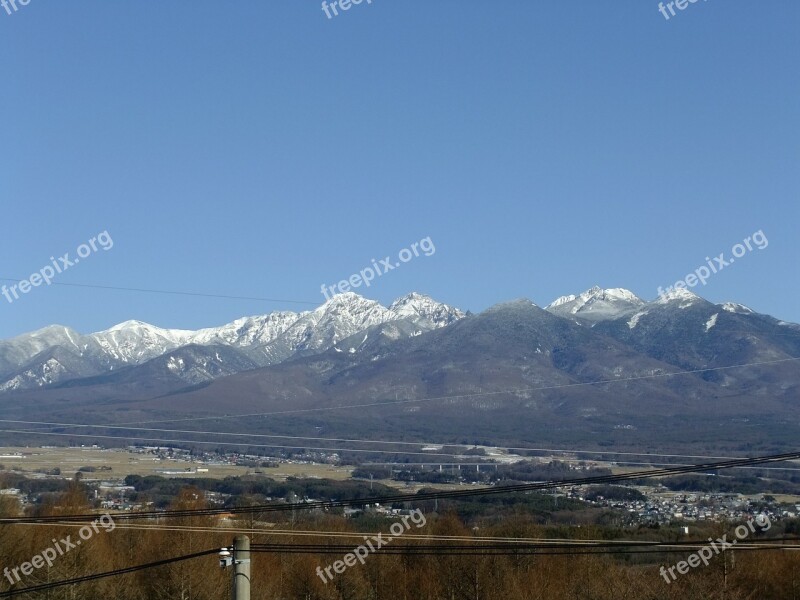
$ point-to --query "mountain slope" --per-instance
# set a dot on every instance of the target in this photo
(56, 354)
(596, 304)
(513, 373)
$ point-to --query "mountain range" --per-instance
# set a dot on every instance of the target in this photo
(599, 366)
(58, 354)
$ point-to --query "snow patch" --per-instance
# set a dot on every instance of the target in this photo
(733, 307)
(634, 320)
(597, 304)
(681, 295)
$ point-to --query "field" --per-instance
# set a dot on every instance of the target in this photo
(117, 463)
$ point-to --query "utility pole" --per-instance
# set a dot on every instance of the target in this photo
(241, 568)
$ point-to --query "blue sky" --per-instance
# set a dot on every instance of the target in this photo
(261, 149)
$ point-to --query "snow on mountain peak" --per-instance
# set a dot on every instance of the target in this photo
(135, 341)
(264, 339)
(248, 331)
(416, 305)
(56, 353)
(348, 303)
(733, 307)
(412, 298)
(130, 324)
(344, 298)
(622, 294)
(140, 326)
(596, 293)
(51, 330)
(682, 295)
(562, 300)
(597, 304)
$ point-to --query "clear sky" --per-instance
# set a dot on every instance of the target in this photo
(258, 148)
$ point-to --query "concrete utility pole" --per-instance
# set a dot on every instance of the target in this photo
(241, 568)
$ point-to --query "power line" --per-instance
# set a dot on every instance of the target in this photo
(173, 441)
(410, 550)
(56, 584)
(419, 550)
(171, 292)
(628, 463)
(484, 491)
(357, 441)
(780, 542)
(225, 433)
(205, 443)
(507, 548)
(572, 553)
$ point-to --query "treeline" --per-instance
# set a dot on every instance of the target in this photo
(162, 490)
(553, 471)
(286, 576)
(489, 473)
(734, 484)
(31, 486)
(614, 492)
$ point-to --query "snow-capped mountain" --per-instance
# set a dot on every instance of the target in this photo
(248, 331)
(19, 350)
(596, 304)
(57, 354)
(680, 296)
(733, 307)
(678, 327)
(345, 315)
(420, 307)
(586, 364)
(134, 342)
(340, 317)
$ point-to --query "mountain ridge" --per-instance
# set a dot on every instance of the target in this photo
(57, 355)
(28, 361)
